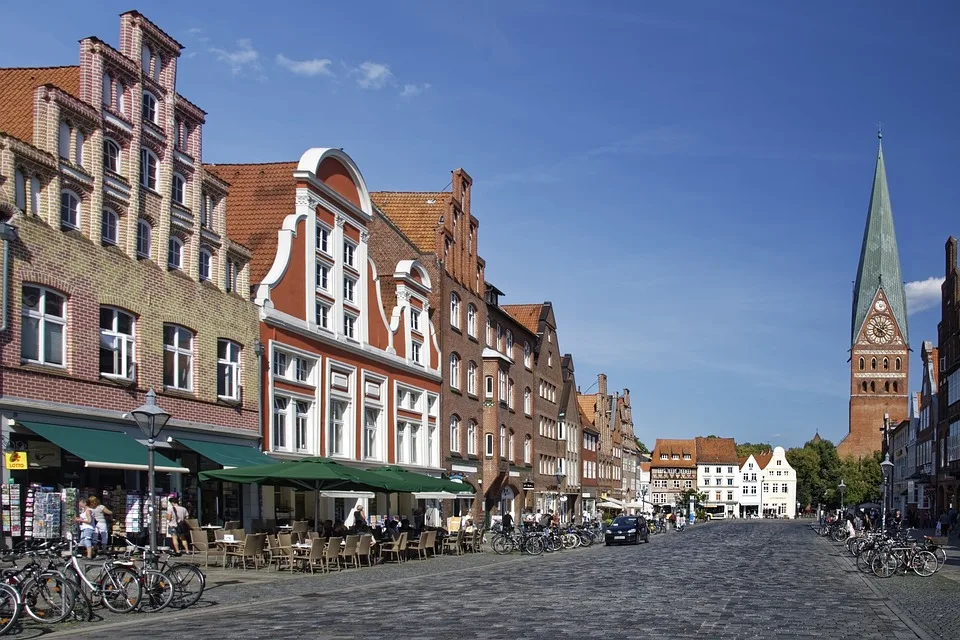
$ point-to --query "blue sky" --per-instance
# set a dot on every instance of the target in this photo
(687, 182)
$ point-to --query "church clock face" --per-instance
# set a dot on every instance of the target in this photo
(881, 306)
(880, 330)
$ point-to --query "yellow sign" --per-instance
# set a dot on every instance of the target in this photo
(16, 461)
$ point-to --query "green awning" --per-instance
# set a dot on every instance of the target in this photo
(103, 449)
(230, 456)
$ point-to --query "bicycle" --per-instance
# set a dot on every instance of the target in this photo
(47, 597)
(10, 608)
(188, 580)
(893, 559)
(116, 586)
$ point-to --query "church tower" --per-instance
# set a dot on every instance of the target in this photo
(880, 358)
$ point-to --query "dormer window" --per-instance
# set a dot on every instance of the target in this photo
(686, 456)
(663, 456)
(676, 456)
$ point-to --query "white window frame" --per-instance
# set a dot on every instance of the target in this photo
(279, 437)
(323, 239)
(350, 290)
(377, 404)
(471, 438)
(43, 319)
(488, 387)
(454, 310)
(503, 442)
(175, 253)
(205, 265)
(527, 355)
(150, 111)
(338, 395)
(144, 237)
(488, 445)
(322, 276)
(301, 424)
(527, 401)
(527, 450)
(228, 369)
(177, 350)
(322, 311)
(178, 195)
(455, 371)
(350, 326)
(471, 320)
(455, 433)
(79, 155)
(472, 378)
(416, 351)
(109, 157)
(65, 132)
(149, 169)
(122, 345)
(69, 208)
(415, 320)
(349, 254)
(109, 222)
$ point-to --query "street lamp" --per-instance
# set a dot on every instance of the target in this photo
(151, 419)
(560, 476)
(843, 489)
(643, 499)
(887, 468)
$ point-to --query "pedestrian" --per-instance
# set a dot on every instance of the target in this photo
(546, 519)
(360, 519)
(176, 524)
(897, 519)
(944, 523)
(507, 522)
(87, 529)
(100, 514)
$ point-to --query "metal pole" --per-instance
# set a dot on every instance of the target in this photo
(151, 489)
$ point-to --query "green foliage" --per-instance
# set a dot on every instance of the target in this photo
(642, 447)
(749, 449)
(683, 500)
(819, 472)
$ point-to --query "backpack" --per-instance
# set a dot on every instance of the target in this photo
(183, 528)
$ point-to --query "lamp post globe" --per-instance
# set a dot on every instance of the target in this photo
(151, 419)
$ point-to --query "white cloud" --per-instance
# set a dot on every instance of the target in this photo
(315, 67)
(923, 294)
(373, 75)
(413, 90)
(240, 59)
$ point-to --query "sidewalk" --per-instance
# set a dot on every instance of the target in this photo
(951, 569)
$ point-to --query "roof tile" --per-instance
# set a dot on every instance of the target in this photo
(416, 213)
(674, 446)
(16, 95)
(526, 314)
(716, 450)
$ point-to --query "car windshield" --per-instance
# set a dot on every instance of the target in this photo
(621, 522)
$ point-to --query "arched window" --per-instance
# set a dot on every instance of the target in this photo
(472, 378)
(528, 401)
(149, 111)
(454, 370)
(63, 142)
(895, 387)
(206, 259)
(454, 310)
(471, 320)
(527, 355)
(69, 210)
(108, 227)
(864, 386)
(175, 253)
(873, 387)
(144, 243)
(148, 169)
(111, 155)
(121, 97)
(503, 441)
(455, 433)
(873, 363)
(510, 393)
(145, 56)
(107, 89)
(510, 446)
(472, 438)
(20, 187)
(178, 190)
(861, 364)
(886, 363)
(527, 450)
(886, 386)
(898, 365)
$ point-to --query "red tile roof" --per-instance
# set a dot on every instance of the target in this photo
(716, 450)
(671, 447)
(763, 459)
(416, 213)
(16, 95)
(261, 196)
(527, 315)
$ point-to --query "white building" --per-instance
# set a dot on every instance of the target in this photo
(751, 469)
(718, 475)
(778, 486)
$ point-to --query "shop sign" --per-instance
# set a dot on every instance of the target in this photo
(527, 485)
(457, 477)
(15, 461)
(43, 454)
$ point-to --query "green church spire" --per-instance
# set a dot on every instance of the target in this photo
(879, 259)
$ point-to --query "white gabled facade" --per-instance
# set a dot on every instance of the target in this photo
(750, 473)
(778, 487)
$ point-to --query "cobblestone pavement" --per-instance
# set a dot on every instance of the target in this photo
(721, 580)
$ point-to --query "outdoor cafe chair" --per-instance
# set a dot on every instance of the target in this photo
(397, 548)
(452, 543)
(365, 549)
(332, 552)
(231, 524)
(478, 540)
(193, 523)
(349, 551)
(312, 535)
(317, 551)
(275, 555)
(300, 526)
(421, 546)
(466, 541)
(431, 542)
(199, 543)
(252, 549)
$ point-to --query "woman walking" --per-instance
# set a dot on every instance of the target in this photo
(85, 520)
(100, 514)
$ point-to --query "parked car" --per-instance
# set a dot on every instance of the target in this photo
(627, 529)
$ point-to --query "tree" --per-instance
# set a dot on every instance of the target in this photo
(748, 448)
(642, 447)
(820, 470)
(683, 500)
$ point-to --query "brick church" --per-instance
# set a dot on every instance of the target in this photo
(879, 349)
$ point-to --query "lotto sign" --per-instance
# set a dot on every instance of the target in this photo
(16, 461)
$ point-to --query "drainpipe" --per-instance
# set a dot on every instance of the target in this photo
(8, 232)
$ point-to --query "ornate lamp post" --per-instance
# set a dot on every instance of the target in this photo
(887, 468)
(151, 419)
(843, 489)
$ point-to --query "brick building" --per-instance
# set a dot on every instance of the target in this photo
(573, 443)
(354, 365)
(601, 410)
(588, 456)
(122, 278)
(673, 470)
(944, 408)
(880, 346)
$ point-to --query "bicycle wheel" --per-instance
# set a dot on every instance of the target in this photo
(47, 599)
(120, 590)
(884, 565)
(10, 608)
(924, 564)
(158, 591)
(82, 609)
(533, 546)
(188, 585)
(940, 555)
(501, 545)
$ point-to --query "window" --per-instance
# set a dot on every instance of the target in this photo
(232, 275)
(204, 267)
(414, 430)
(206, 210)
(899, 364)
(454, 370)
(302, 368)
(108, 227)
(79, 150)
(455, 433)
(35, 195)
(861, 364)
(338, 412)
(729, 495)
(280, 405)
(488, 386)
(472, 438)
(63, 142)
(148, 169)
(175, 253)
(784, 488)
(414, 320)
(502, 386)
(471, 321)
(106, 88)
(416, 349)
(178, 133)
(280, 364)
(489, 332)
(886, 363)
(117, 343)
(43, 337)
(145, 56)
(509, 350)
(322, 315)
(499, 338)
(228, 369)
(528, 401)
(454, 310)
(349, 289)
(323, 239)
(549, 359)
(121, 97)
(20, 190)
(488, 445)
(510, 393)
(149, 112)
(178, 190)
(472, 378)
(111, 156)
(510, 447)
(177, 358)
(371, 425)
(69, 210)
(349, 254)
(527, 355)
(143, 238)
(527, 450)
(323, 276)
(302, 422)
(503, 441)
(349, 326)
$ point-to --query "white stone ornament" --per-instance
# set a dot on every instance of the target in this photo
(880, 306)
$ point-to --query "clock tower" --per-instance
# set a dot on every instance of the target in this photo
(879, 350)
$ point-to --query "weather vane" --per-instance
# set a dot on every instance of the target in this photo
(880, 130)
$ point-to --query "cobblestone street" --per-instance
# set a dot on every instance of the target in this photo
(723, 580)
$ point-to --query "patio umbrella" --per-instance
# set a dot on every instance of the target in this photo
(314, 474)
(419, 482)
